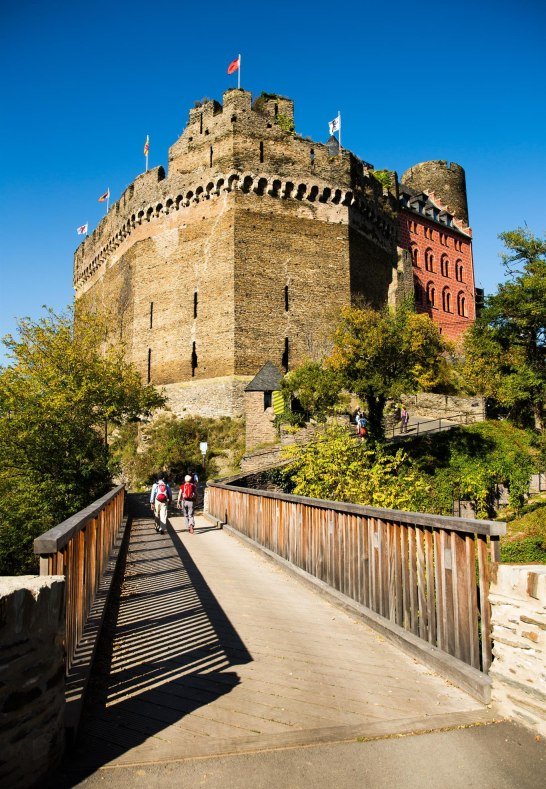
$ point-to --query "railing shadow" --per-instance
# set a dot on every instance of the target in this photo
(166, 650)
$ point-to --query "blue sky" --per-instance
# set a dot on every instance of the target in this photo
(84, 83)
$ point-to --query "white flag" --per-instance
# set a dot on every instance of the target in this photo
(82, 230)
(335, 125)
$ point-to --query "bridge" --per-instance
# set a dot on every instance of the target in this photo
(283, 622)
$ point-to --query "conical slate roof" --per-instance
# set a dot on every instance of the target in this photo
(268, 379)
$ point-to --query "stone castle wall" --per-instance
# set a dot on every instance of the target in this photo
(518, 616)
(244, 253)
(32, 673)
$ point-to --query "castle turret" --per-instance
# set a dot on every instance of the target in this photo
(446, 180)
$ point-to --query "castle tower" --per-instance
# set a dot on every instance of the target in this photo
(242, 253)
(445, 180)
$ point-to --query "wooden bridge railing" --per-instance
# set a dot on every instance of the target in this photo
(429, 574)
(79, 549)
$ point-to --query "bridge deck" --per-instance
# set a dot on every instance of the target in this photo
(213, 648)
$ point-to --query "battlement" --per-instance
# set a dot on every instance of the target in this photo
(242, 146)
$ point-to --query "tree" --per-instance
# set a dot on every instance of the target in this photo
(171, 445)
(336, 466)
(382, 355)
(315, 387)
(505, 352)
(66, 382)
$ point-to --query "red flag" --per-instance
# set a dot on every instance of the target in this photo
(233, 66)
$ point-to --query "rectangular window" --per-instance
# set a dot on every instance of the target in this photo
(284, 361)
(268, 399)
(149, 365)
(261, 153)
(151, 314)
(195, 304)
(211, 155)
(286, 304)
(193, 360)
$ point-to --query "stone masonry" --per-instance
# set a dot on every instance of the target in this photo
(243, 252)
(32, 672)
(518, 671)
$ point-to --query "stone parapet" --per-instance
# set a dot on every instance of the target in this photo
(518, 671)
(32, 678)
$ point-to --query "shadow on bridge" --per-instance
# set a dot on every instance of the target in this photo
(165, 652)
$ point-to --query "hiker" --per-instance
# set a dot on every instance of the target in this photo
(185, 502)
(160, 498)
(362, 423)
(404, 416)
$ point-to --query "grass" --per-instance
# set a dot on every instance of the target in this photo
(525, 540)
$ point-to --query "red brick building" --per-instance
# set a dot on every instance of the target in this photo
(433, 225)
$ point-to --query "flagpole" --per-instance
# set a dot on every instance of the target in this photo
(108, 200)
(239, 73)
(146, 162)
(339, 130)
(87, 228)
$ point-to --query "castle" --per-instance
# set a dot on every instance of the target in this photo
(246, 249)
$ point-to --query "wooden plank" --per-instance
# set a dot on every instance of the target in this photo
(460, 599)
(439, 583)
(447, 581)
(421, 584)
(472, 594)
(412, 561)
(485, 607)
(431, 602)
(391, 541)
(404, 550)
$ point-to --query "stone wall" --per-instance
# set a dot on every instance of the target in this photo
(439, 406)
(32, 675)
(192, 265)
(259, 422)
(213, 397)
(518, 671)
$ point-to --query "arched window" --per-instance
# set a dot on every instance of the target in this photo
(415, 256)
(444, 266)
(431, 295)
(429, 260)
(459, 271)
(461, 304)
(446, 300)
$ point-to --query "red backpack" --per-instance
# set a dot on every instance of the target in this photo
(188, 491)
(161, 493)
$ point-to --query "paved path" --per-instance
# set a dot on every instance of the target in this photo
(216, 650)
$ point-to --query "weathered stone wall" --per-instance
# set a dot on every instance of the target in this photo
(261, 459)
(32, 672)
(446, 180)
(192, 266)
(518, 671)
(213, 397)
(439, 406)
(260, 427)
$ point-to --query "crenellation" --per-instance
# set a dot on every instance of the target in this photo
(246, 208)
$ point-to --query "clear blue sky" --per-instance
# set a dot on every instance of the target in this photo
(85, 82)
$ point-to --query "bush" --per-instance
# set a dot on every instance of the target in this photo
(171, 445)
(335, 465)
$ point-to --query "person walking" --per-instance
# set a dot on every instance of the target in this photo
(362, 426)
(185, 502)
(404, 416)
(160, 498)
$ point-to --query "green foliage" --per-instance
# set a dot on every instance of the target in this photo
(384, 178)
(380, 355)
(528, 550)
(316, 388)
(285, 123)
(505, 353)
(336, 466)
(56, 399)
(469, 462)
(171, 445)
